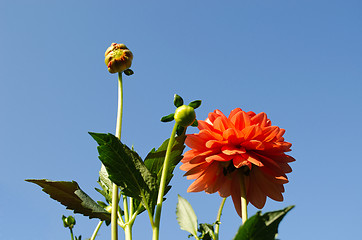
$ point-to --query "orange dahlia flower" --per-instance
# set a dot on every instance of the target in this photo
(240, 149)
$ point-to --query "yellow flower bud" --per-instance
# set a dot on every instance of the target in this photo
(185, 115)
(118, 58)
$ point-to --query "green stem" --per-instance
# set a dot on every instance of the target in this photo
(114, 217)
(244, 202)
(128, 227)
(217, 227)
(71, 233)
(96, 230)
(161, 192)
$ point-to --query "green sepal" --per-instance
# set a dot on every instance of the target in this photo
(262, 227)
(125, 168)
(128, 72)
(195, 104)
(178, 101)
(186, 216)
(195, 123)
(180, 130)
(70, 195)
(168, 118)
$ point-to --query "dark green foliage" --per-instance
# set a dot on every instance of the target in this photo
(178, 101)
(195, 124)
(206, 231)
(70, 195)
(195, 104)
(168, 118)
(154, 163)
(128, 72)
(125, 168)
(262, 227)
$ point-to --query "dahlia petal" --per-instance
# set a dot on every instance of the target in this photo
(276, 177)
(246, 119)
(204, 125)
(285, 167)
(251, 132)
(239, 161)
(269, 163)
(236, 195)
(259, 119)
(220, 124)
(216, 178)
(221, 157)
(253, 145)
(215, 144)
(213, 115)
(234, 112)
(195, 142)
(189, 155)
(210, 135)
(253, 159)
(198, 185)
(237, 120)
(270, 133)
(231, 150)
(280, 134)
(229, 133)
(270, 188)
(225, 189)
(255, 195)
(205, 179)
(195, 168)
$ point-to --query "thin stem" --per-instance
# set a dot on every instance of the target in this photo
(161, 191)
(96, 230)
(114, 217)
(71, 233)
(217, 227)
(244, 202)
(128, 227)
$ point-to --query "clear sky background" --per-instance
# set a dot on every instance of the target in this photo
(298, 61)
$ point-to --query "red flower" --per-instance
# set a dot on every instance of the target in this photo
(242, 146)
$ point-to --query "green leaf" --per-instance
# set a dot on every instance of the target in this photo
(125, 167)
(106, 184)
(154, 163)
(70, 195)
(178, 101)
(186, 216)
(207, 231)
(195, 104)
(128, 72)
(180, 130)
(168, 118)
(262, 227)
(195, 123)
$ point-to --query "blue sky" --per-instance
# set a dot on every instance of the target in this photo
(298, 61)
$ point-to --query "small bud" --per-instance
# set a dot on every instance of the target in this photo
(185, 115)
(68, 222)
(118, 58)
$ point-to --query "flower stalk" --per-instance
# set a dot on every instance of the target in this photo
(115, 200)
(161, 191)
(96, 230)
(217, 224)
(244, 202)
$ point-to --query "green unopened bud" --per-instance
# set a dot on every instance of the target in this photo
(68, 222)
(185, 115)
(118, 58)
